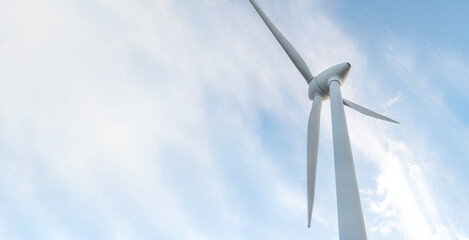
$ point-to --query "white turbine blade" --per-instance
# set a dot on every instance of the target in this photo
(312, 151)
(367, 112)
(351, 223)
(289, 49)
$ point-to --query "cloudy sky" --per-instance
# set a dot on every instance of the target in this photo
(184, 119)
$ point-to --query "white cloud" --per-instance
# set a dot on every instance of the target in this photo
(410, 170)
(114, 113)
(393, 100)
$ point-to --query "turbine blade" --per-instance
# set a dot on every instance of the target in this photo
(312, 151)
(367, 112)
(289, 49)
(351, 223)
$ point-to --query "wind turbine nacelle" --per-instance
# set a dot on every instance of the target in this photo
(320, 84)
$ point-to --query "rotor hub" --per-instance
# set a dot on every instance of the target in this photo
(320, 84)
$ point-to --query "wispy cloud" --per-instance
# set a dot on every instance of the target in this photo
(185, 120)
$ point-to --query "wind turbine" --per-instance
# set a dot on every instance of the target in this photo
(322, 87)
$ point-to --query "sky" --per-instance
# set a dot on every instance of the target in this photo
(184, 119)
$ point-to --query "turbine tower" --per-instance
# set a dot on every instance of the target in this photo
(322, 87)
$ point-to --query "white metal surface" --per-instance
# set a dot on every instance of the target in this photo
(367, 112)
(312, 151)
(327, 85)
(349, 208)
(289, 49)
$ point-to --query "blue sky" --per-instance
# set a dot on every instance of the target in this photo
(186, 120)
